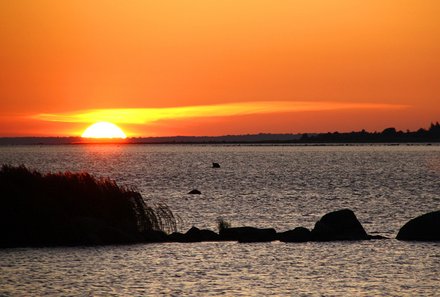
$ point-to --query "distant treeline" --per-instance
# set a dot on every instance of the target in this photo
(388, 135)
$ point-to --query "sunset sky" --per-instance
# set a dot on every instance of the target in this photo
(159, 68)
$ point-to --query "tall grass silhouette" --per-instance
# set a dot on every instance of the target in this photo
(74, 208)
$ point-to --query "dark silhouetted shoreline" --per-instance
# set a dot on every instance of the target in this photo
(78, 209)
(388, 135)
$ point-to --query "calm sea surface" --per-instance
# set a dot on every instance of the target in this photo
(263, 186)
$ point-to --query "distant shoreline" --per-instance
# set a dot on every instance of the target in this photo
(6, 142)
(387, 136)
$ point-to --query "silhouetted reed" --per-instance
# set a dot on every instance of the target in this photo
(74, 208)
(222, 224)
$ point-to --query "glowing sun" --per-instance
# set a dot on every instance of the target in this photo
(103, 130)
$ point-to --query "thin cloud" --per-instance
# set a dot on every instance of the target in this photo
(150, 115)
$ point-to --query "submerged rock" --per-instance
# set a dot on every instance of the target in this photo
(339, 225)
(248, 234)
(195, 192)
(299, 234)
(423, 228)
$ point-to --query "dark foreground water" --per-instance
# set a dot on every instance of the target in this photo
(266, 186)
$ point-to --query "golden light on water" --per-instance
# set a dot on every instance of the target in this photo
(104, 130)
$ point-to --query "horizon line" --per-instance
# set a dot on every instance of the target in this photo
(222, 135)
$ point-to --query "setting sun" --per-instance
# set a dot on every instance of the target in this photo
(103, 130)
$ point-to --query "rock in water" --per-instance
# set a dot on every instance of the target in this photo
(195, 192)
(215, 165)
(339, 225)
(155, 236)
(195, 234)
(299, 234)
(423, 228)
(248, 234)
(177, 237)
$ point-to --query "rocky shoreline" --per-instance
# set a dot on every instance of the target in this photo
(70, 209)
(341, 225)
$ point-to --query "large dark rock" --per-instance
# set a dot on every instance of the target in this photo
(248, 234)
(195, 192)
(339, 225)
(423, 228)
(215, 165)
(299, 234)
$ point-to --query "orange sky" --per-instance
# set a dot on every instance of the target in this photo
(214, 67)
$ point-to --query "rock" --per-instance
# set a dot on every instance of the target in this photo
(215, 165)
(195, 192)
(155, 236)
(299, 234)
(339, 225)
(423, 228)
(177, 237)
(248, 234)
(195, 234)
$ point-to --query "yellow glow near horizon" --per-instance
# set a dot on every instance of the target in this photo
(104, 130)
(150, 115)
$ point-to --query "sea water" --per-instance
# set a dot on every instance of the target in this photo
(257, 185)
